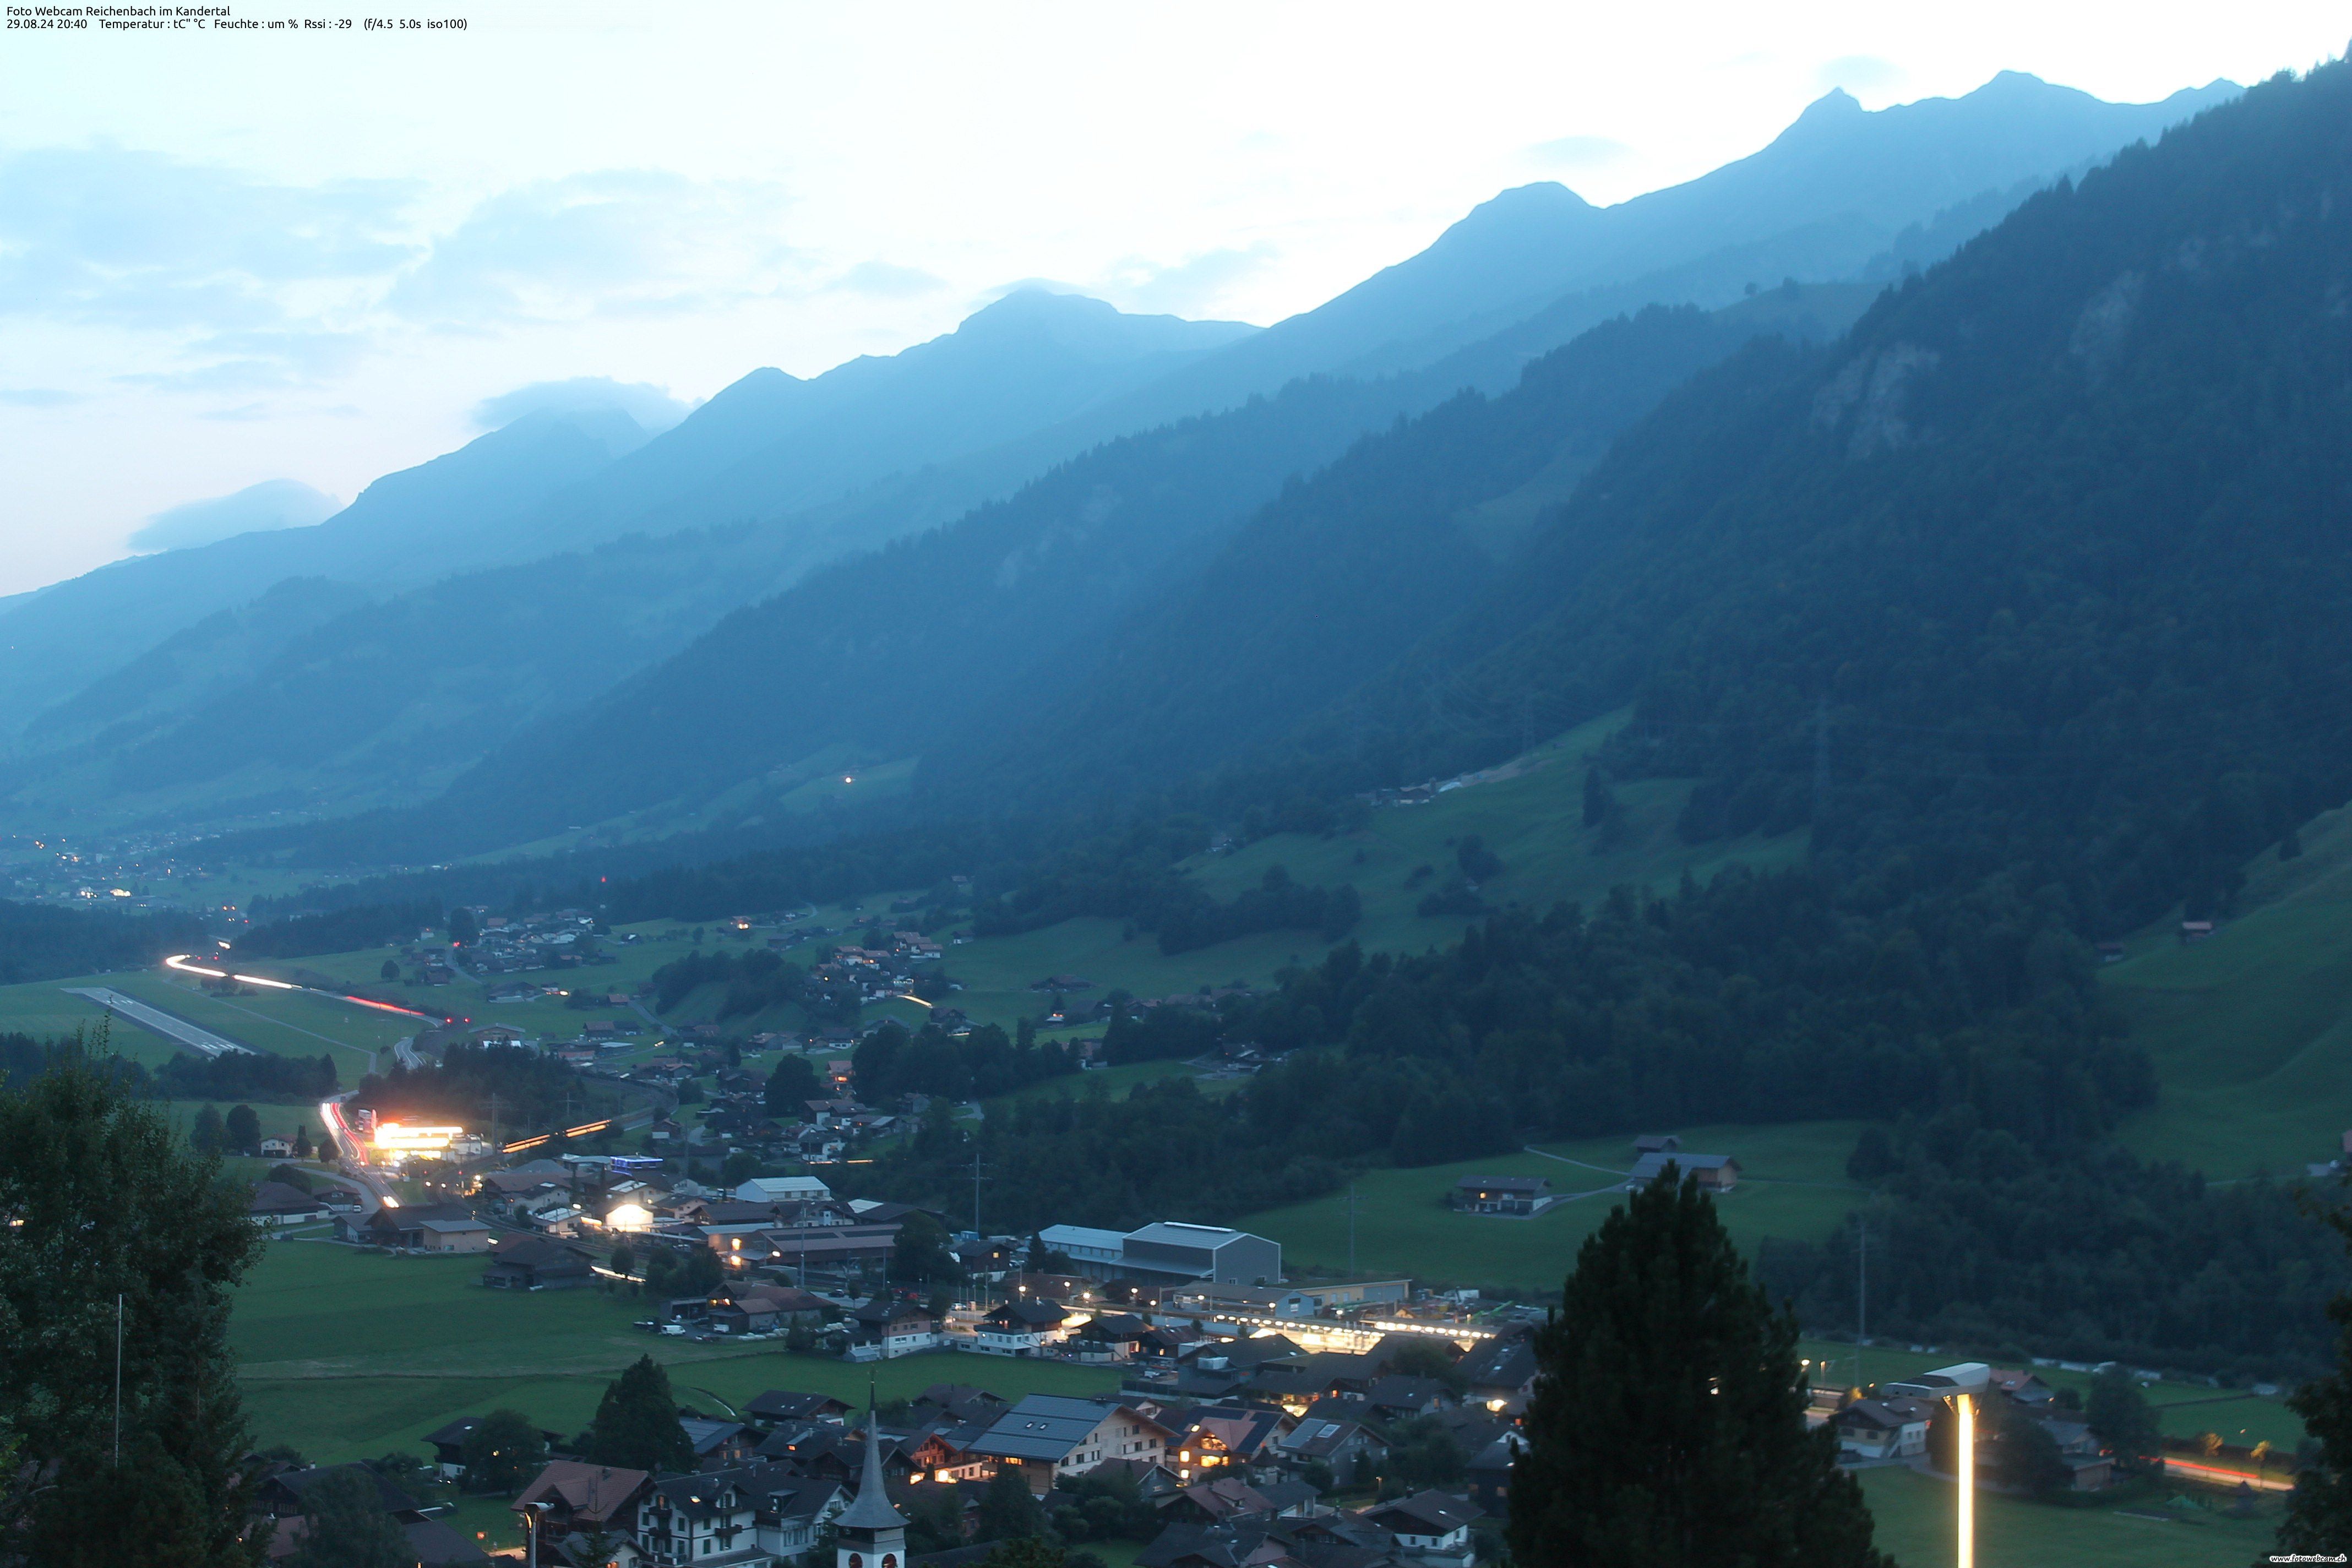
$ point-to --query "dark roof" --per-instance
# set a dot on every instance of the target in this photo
(1439, 1512)
(1501, 1364)
(786, 1405)
(1044, 1426)
(1030, 1314)
(1404, 1392)
(299, 1483)
(453, 1434)
(278, 1197)
(1503, 1184)
(539, 1254)
(436, 1545)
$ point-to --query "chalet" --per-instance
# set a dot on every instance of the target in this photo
(1714, 1172)
(2024, 1387)
(1215, 1436)
(408, 1229)
(718, 1441)
(1502, 1194)
(1890, 1428)
(1656, 1143)
(582, 1499)
(1110, 1336)
(961, 1402)
(1331, 1439)
(277, 1149)
(891, 1328)
(1048, 1437)
(536, 1263)
(1433, 1526)
(1021, 1327)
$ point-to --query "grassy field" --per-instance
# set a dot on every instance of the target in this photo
(1533, 821)
(1794, 1184)
(2252, 1028)
(347, 1355)
(1913, 1515)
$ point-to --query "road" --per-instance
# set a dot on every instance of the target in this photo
(354, 1162)
(204, 1042)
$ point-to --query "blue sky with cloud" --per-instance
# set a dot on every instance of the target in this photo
(220, 273)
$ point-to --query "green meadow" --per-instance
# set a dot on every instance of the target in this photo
(346, 1355)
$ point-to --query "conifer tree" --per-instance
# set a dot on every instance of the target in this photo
(1668, 1429)
(345, 1525)
(637, 1424)
(2319, 1510)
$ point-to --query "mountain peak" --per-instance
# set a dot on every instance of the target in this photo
(1835, 105)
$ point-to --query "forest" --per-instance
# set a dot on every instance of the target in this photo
(39, 943)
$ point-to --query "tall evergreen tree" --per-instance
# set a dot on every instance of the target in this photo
(208, 1135)
(1008, 1510)
(241, 1130)
(1668, 1429)
(791, 1083)
(503, 1452)
(637, 1424)
(105, 1202)
(2319, 1510)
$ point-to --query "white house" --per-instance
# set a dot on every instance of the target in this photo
(781, 1189)
(1431, 1526)
(1047, 1435)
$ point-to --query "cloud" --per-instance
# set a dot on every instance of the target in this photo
(272, 504)
(1859, 74)
(649, 405)
(110, 236)
(1578, 152)
(1186, 287)
(38, 397)
(618, 241)
(884, 280)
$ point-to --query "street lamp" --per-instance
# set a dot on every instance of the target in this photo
(1964, 1463)
(532, 1513)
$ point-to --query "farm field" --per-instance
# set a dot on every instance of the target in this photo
(347, 1355)
(2250, 1029)
(1913, 1515)
(1794, 1186)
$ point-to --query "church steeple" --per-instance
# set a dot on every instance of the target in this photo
(871, 1532)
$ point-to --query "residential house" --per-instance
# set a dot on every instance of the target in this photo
(1110, 1336)
(277, 1149)
(536, 1263)
(700, 1518)
(1433, 1527)
(890, 1328)
(1894, 1427)
(1402, 1398)
(1716, 1173)
(1501, 1374)
(580, 1499)
(2024, 1387)
(466, 1234)
(1656, 1143)
(718, 1442)
(1215, 1437)
(1021, 1327)
(962, 1402)
(277, 1202)
(1323, 1435)
(1048, 1437)
(1502, 1194)
(1489, 1473)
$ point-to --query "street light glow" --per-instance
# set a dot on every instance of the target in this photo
(1966, 1465)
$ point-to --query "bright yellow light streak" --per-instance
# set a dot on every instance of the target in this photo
(273, 984)
(1967, 1464)
(179, 961)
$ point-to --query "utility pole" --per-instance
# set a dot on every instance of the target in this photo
(1821, 762)
(117, 1378)
(976, 1231)
(1352, 1230)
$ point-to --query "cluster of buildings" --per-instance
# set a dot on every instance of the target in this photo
(1892, 1424)
(1222, 1484)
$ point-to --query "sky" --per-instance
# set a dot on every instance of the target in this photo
(302, 260)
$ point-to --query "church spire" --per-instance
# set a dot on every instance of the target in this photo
(872, 1512)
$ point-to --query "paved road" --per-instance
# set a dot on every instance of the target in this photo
(204, 1042)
